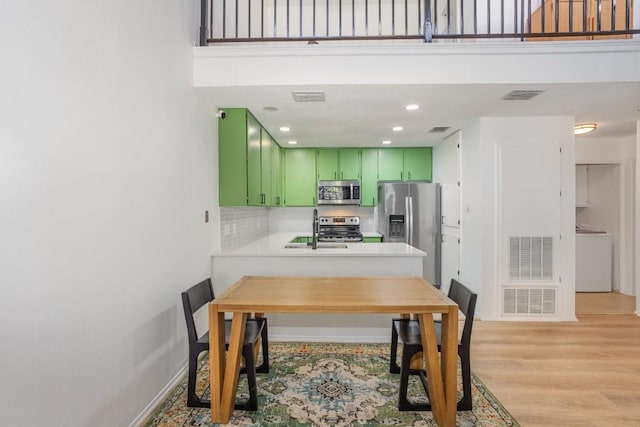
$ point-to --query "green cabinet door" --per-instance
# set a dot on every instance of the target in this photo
(417, 164)
(300, 177)
(254, 172)
(232, 158)
(327, 164)
(390, 164)
(266, 158)
(349, 163)
(369, 183)
(372, 239)
(276, 175)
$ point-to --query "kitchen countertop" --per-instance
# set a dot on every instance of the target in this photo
(274, 245)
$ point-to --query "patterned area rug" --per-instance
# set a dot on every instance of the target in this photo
(320, 384)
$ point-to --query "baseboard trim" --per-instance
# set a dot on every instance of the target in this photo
(146, 413)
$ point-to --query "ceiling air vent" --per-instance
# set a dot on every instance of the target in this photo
(309, 96)
(521, 95)
(439, 129)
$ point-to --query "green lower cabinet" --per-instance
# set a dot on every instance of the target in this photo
(301, 239)
(372, 239)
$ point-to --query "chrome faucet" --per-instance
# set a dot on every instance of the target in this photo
(314, 230)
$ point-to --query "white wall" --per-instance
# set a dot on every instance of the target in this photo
(498, 203)
(106, 169)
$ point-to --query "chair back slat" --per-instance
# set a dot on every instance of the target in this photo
(192, 300)
(466, 300)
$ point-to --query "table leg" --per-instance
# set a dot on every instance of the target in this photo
(216, 359)
(432, 365)
(234, 355)
(449, 362)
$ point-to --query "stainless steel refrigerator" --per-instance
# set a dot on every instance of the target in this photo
(410, 212)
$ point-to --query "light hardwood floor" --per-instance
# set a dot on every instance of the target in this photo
(584, 373)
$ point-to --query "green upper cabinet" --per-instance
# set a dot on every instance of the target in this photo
(248, 162)
(254, 161)
(390, 164)
(404, 164)
(299, 176)
(338, 164)
(276, 175)
(369, 183)
(327, 164)
(417, 164)
(232, 157)
(349, 163)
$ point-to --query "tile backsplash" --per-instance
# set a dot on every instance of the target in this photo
(242, 225)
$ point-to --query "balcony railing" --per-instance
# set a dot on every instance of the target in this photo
(428, 20)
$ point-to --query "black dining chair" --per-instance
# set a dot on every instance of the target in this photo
(408, 331)
(192, 300)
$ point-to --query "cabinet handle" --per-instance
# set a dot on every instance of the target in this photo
(335, 175)
(401, 175)
(409, 175)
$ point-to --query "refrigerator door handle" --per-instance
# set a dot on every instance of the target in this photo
(410, 220)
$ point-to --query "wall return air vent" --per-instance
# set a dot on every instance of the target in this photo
(308, 96)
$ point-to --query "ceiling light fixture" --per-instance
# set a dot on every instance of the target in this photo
(285, 129)
(270, 109)
(386, 142)
(411, 107)
(584, 128)
(397, 128)
(292, 142)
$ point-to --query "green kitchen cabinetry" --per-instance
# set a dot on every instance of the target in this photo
(369, 182)
(390, 164)
(404, 164)
(276, 175)
(300, 177)
(302, 239)
(232, 157)
(255, 159)
(372, 239)
(417, 164)
(349, 162)
(338, 164)
(327, 164)
(248, 163)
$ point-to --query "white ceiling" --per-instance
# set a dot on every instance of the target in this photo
(363, 115)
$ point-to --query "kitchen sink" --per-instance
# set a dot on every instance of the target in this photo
(321, 245)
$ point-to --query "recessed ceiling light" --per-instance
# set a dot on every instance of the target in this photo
(285, 129)
(397, 128)
(386, 142)
(411, 107)
(292, 142)
(584, 128)
(272, 109)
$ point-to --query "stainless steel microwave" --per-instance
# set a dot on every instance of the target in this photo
(339, 192)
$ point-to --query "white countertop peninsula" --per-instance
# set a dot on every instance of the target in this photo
(269, 257)
(274, 245)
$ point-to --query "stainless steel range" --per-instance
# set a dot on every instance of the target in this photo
(339, 229)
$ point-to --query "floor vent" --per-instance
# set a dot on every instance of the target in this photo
(522, 95)
(530, 258)
(309, 96)
(523, 301)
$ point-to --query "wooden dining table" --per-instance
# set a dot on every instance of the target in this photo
(377, 295)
